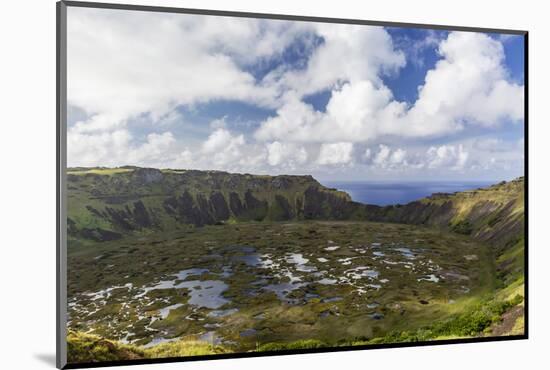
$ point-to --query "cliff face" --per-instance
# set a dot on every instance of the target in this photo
(105, 204)
(494, 215)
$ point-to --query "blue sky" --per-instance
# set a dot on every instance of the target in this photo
(261, 96)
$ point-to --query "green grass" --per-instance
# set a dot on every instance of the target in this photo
(99, 171)
(299, 344)
(519, 327)
(474, 321)
(92, 348)
(511, 263)
(183, 348)
(462, 227)
(83, 347)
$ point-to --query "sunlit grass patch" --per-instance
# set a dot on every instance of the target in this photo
(99, 171)
(183, 348)
(82, 348)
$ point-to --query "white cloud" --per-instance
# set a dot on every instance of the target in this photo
(495, 154)
(368, 154)
(386, 158)
(293, 122)
(435, 158)
(382, 155)
(348, 53)
(415, 48)
(122, 64)
(156, 144)
(219, 123)
(184, 159)
(468, 86)
(223, 147)
(116, 147)
(352, 114)
(398, 156)
(490, 144)
(286, 154)
(335, 153)
(350, 63)
(447, 156)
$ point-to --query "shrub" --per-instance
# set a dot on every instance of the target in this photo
(462, 227)
(300, 344)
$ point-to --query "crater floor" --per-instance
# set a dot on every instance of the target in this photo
(247, 284)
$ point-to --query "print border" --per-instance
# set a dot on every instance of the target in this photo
(61, 166)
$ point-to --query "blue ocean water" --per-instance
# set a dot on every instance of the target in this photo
(387, 193)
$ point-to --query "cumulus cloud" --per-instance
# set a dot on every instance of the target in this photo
(122, 64)
(480, 156)
(414, 48)
(353, 113)
(223, 147)
(382, 155)
(444, 157)
(386, 157)
(116, 147)
(447, 156)
(398, 156)
(286, 154)
(335, 153)
(223, 150)
(468, 86)
(350, 63)
(348, 53)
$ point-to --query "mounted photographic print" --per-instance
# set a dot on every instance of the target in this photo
(238, 184)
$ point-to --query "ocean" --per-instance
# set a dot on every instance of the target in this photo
(387, 193)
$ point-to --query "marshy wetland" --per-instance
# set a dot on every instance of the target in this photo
(250, 284)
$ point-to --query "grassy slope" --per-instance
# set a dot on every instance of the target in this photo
(488, 213)
(493, 215)
(84, 348)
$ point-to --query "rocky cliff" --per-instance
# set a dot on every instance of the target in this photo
(494, 214)
(104, 204)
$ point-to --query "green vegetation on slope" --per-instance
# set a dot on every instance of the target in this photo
(472, 322)
(494, 214)
(87, 348)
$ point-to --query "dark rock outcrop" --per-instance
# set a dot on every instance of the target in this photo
(147, 175)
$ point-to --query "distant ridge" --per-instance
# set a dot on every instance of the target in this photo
(106, 203)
